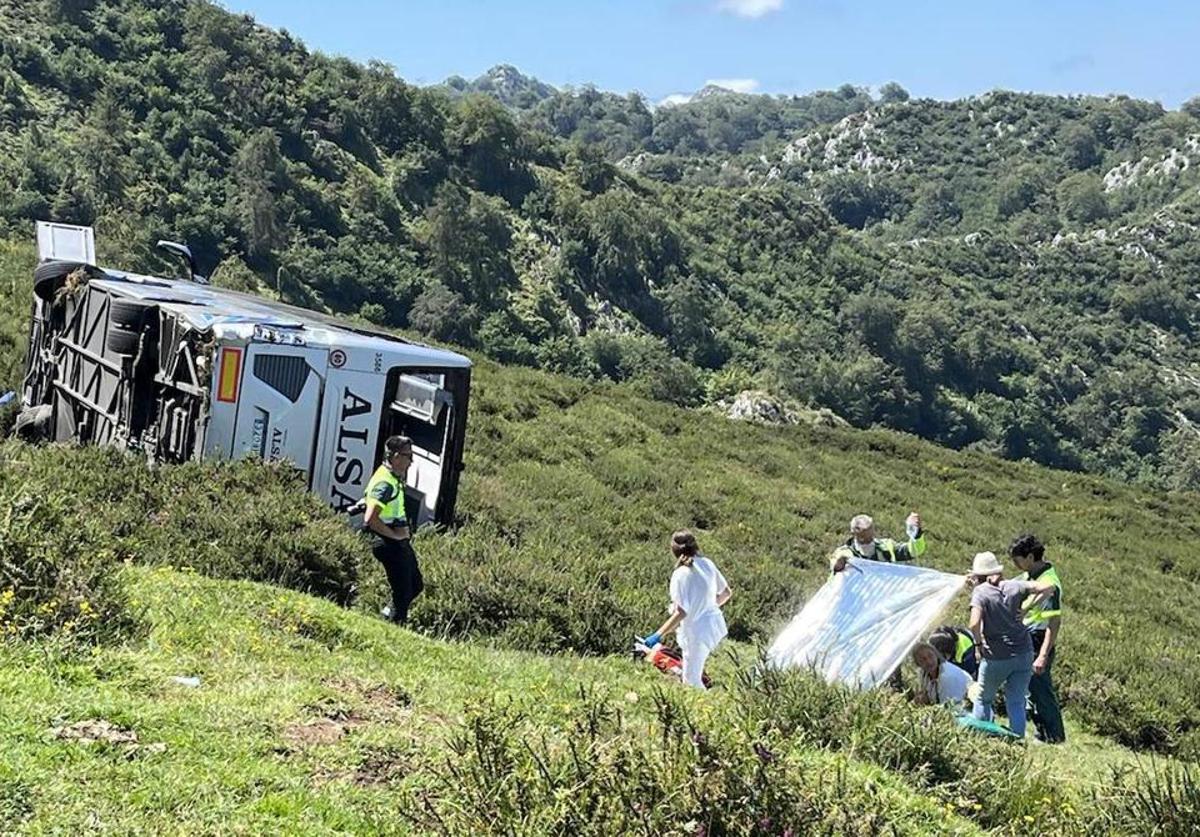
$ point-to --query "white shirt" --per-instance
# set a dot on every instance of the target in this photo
(695, 589)
(950, 687)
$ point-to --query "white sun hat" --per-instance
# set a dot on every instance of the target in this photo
(986, 564)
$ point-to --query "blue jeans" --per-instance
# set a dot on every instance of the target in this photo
(1013, 674)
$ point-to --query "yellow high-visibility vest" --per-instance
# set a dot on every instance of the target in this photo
(1041, 613)
(965, 643)
(393, 510)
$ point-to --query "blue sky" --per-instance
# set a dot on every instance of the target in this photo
(1149, 49)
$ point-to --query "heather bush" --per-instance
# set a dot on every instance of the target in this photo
(756, 773)
(571, 491)
(76, 513)
(1161, 800)
(988, 779)
(57, 568)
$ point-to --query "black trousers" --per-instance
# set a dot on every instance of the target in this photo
(403, 575)
(1047, 716)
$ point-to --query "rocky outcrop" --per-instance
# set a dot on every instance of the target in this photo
(1174, 163)
(761, 407)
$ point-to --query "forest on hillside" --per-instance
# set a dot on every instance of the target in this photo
(1012, 273)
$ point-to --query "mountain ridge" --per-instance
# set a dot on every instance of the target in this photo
(891, 283)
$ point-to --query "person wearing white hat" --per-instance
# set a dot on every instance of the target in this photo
(1000, 633)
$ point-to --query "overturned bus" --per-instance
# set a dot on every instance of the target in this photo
(180, 370)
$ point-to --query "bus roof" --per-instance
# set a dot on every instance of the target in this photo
(234, 314)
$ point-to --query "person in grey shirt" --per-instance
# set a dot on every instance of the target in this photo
(1000, 633)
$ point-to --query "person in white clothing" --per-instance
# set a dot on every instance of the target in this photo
(698, 592)
(939, 681)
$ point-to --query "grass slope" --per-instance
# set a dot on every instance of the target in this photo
(313, 719)
(255, 747)
(572, 490)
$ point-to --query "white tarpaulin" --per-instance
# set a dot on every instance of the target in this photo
(860, 624)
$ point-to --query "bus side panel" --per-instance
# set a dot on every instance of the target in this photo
(349, 436)
(223, 398)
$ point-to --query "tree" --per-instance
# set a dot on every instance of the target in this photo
(1081, 198)
(442, 314)
(98, 146)
(588, 168)
(936, 206)
(857, 200)
(1017, 192)
(1080, 147)
(689, 319)
(1192, 107)
(891, 93)
(259, 178)
(468, 237)
(486, 142)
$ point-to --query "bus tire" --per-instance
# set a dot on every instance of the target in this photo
(49, 276)
(127, 318)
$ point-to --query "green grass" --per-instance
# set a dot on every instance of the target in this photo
(570, 493)
(229, 763)
(270, 660)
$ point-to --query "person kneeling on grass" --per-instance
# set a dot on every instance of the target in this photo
(698, 592)
(939, 681)
(958, 646)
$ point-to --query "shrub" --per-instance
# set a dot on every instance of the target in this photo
(242, 520)
(990, 780)
(1161, 800)
(57, 569)
(753, 776)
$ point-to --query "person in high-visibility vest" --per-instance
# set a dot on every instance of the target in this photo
(863, 543)
(958, 646)
(1043, 619)
(385, 518)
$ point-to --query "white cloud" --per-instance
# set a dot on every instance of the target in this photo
(675, 99)
(749, 8)
(737, 85)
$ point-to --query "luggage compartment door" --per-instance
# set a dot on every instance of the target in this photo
(279, 406)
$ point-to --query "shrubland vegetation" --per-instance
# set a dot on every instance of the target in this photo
(310, 718)
(1020, 283)
(337, 185)
(572, 488)
(74, 516)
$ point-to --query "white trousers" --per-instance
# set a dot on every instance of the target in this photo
(695, 655)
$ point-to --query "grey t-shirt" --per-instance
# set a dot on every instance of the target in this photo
(1004, 635)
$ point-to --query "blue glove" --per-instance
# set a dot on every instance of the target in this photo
(652, 640)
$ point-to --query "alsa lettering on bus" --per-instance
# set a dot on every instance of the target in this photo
(352, 455)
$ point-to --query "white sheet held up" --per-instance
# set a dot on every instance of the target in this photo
(859, 626)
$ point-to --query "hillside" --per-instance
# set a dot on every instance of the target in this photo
(723, 252)
(305, 718)
(571, 487)
(312, 717)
